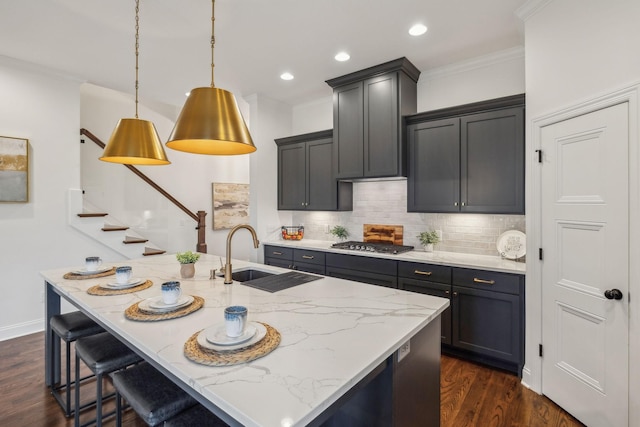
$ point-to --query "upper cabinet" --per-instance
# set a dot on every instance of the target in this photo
(468, 158)
(368, 110)
(305, 176)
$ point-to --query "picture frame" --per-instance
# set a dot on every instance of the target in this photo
(230, 205)
(14, 170)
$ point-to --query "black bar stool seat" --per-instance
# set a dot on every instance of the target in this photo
(68, 327)
(154, 397)
(195, 416)
(102, 353)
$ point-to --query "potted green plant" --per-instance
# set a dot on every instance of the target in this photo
(428, 239)
(340, 232)
(187, 262)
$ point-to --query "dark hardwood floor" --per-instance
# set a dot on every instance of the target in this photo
(471, 395)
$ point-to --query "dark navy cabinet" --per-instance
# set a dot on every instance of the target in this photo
(430, 280)
(368, 107)
(468, 158)
(305, 174)
(295, 259)
(376, 271)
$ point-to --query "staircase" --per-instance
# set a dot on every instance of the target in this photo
(107, 230)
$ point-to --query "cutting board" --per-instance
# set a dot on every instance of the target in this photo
(377, 233)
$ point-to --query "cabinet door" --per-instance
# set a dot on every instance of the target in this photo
(434, 166)
(437, 290)
(492, 162)
(363, 276)
(381, 139)
(487, 323)
(292, 177)
(321, 185)
(348, 131)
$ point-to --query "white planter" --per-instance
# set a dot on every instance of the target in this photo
(428, 247)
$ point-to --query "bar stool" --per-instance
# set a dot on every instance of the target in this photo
(68, 327)
(154, 397)
(197, 415)
(103, 354)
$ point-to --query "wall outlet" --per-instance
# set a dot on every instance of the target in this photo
(326, 228)
(404, 350)
(42, 297)
(439, 233)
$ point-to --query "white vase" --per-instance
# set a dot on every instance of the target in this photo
(428, 247)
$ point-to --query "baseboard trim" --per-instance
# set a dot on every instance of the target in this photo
(21, 329)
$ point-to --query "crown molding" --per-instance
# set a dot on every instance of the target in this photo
(475, 63)
(530, 8)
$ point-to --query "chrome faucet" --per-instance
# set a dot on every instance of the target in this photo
(227, 266)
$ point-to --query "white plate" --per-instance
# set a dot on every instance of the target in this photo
(218, 335)
(156, 305)
(84, 272)
(512, 244)
(114, 285)
(261, 332)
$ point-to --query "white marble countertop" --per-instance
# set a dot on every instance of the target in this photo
(334, 332)
(453, 259)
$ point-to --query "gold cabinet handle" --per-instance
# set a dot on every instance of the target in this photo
(307, 256)
(486, 282)
(424, 273)
(276, 253)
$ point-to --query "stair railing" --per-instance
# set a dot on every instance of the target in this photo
(198, 217)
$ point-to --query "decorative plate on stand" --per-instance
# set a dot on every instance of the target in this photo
(512, 244)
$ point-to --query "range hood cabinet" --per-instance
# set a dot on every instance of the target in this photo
(368, 109)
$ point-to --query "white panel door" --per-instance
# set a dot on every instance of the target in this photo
(585, 239)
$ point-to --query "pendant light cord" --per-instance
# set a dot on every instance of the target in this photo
(213, 38)
(137, 48)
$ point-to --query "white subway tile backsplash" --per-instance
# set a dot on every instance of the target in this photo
(385, 202)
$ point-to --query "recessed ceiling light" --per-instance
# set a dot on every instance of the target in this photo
(342, 56)
(418, 30)
(286, 76)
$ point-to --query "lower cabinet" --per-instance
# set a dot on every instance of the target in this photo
(295, 259)
(430, 280)
(375, 271)
(485, 321)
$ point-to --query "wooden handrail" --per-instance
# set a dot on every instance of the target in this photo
(199, 217)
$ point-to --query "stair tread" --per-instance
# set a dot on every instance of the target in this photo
(114, 228)
(150, 251)
(92, 214)
(128, 240)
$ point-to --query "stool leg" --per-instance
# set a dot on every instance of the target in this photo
(68, 389)
(77, 394)
(99, 401)
(118, 410)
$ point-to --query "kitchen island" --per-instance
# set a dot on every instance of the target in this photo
(338, 361)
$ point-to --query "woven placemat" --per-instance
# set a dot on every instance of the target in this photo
(193, 351)
(99, 290)
(74, 276)
(135, 313)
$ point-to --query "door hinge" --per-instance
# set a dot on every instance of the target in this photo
(540, 350)
(540, 254)
(539, 155)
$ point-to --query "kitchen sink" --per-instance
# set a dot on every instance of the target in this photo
(249, 274)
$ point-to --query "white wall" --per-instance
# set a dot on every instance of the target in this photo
(312, 116)
(44, 108)
(576, 51)
(490, 76)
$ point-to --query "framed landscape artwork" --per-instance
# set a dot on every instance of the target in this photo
(14, 170)
(230, 205)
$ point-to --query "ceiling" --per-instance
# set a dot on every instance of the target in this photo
(256, 41)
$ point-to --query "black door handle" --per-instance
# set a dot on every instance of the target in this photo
(613, 294)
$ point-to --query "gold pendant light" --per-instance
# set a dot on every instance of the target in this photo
(135, 141)
(210, 121)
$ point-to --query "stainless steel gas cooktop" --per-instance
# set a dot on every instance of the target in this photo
(382, 248)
